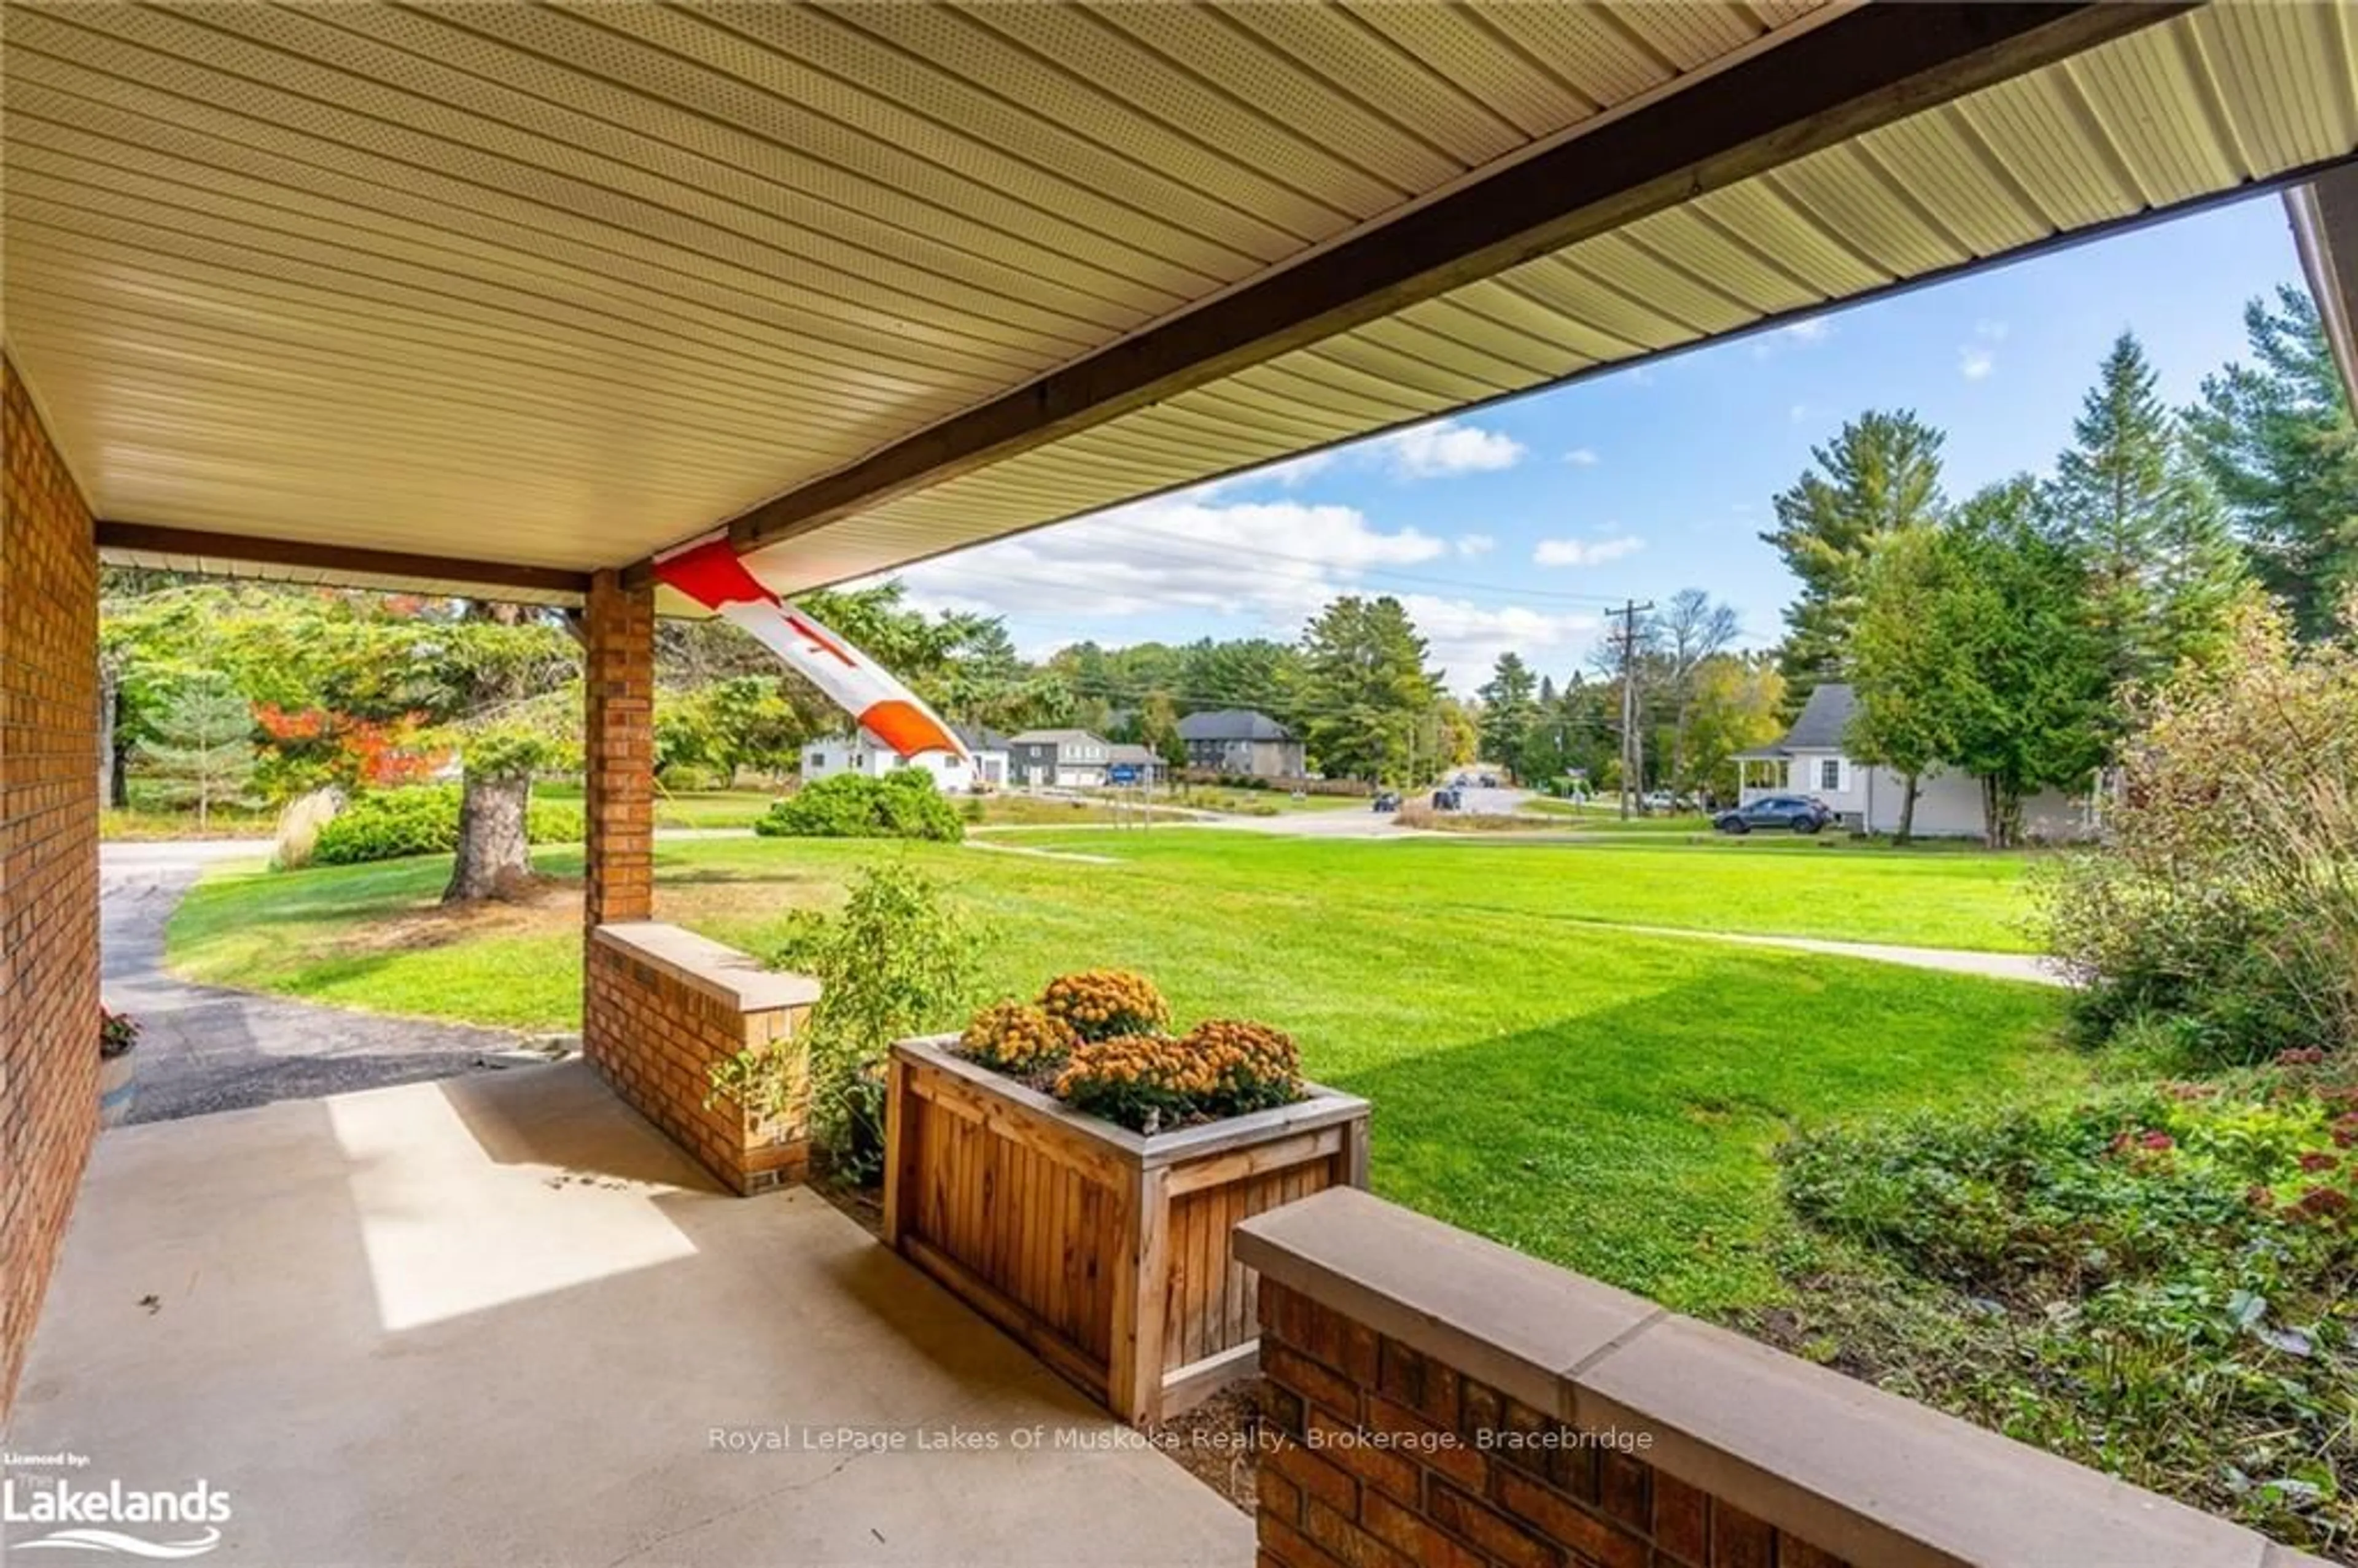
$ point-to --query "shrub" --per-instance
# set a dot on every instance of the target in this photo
(1100, 1005)
(299, 822)
(424, 821)
(692, 778)
(1017, 1037)
(904, 804)
(2222, 900)
(897, 961)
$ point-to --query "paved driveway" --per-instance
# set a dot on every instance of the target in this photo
(204, 1048)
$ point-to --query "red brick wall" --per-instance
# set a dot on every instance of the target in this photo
(654, 1038)
(48, 862)
(618, 737)
(1387, 1458)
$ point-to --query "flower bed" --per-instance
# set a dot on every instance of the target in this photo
(1102, 1246)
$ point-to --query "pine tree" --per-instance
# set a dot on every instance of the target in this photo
(201, 749)
(1366, 695)
(1508, 706)
(2276, 440)
(2162, 569)
(1882, 473)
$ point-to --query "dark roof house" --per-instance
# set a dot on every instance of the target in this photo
(1819, 727)
(1232, 724)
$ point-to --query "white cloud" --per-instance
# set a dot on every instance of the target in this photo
(1287, 473)
(1974, 364)
(1467, 639)
(1446, 447)
(1582, 456)
(1801, 333)
(1583, 553)
(1276, 562)
(1476, 544)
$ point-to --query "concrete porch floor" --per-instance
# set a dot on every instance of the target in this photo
(499, 1319)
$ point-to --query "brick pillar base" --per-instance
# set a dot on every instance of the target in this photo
(618, 741)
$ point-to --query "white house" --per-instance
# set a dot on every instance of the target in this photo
(863, 752)
(1812, 760)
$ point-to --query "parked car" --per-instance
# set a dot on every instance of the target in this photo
(1387, 801)
(1489, 780)
(1658, 800)
(1446, 799)
(1796, 813)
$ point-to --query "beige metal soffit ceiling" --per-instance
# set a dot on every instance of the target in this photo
(559, 284)
(2226, 98)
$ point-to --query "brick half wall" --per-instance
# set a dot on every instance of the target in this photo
(661, 1007)
(1439, 1400)
(48, 862)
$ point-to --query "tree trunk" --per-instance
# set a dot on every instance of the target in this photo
(109, 681)
(1906, 809)
(495, 858)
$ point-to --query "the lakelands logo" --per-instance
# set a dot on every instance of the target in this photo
(185, 1522)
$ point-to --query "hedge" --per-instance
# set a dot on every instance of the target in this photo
(424, 820)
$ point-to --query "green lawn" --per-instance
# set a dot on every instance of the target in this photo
(1607, 1100)
(1777, 886)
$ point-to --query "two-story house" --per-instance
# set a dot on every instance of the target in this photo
(1066, 759)
(1239, 740)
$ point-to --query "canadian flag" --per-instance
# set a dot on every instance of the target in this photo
(711, 575)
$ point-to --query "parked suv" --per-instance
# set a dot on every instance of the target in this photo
(1795, 813)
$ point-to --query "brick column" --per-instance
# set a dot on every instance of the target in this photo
(619, 744)
(49, 862)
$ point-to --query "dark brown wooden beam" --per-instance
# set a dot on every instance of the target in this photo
(396, 566)
(2325, 215)
(1865, 69)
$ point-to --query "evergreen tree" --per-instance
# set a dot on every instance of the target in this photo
(200, 750)
(1880, 474)
(1510, 703)
(2162, 569)
(1367, 694)
(2029, 705)
(2276, 440)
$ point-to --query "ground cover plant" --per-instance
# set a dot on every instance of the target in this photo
(2155, 1281)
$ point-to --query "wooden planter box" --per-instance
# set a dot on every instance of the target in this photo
(1105, 1251)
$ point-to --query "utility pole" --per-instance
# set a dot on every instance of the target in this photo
(1630, 755)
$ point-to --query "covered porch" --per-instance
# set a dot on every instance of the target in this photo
(504, 301)
(502, 1319)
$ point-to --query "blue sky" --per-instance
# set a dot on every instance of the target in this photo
(1511, 527)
